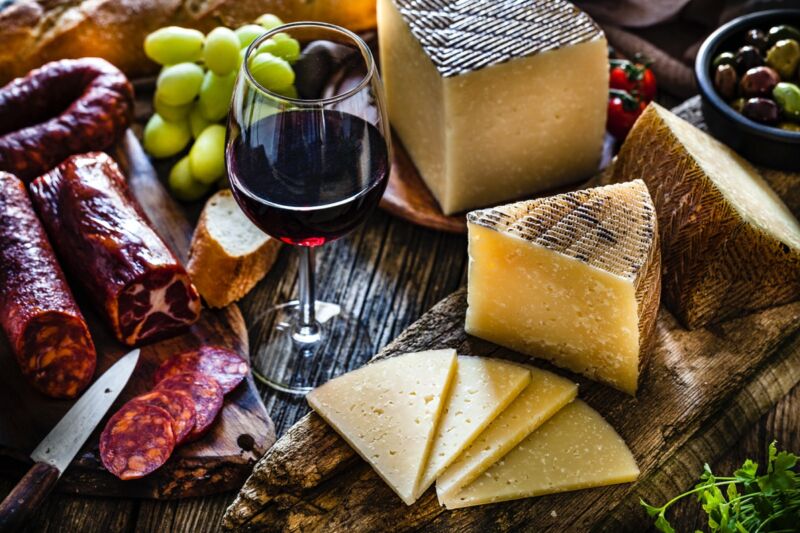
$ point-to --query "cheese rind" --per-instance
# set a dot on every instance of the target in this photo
(388, 412)
(575, 449)
(573, 278)
(544, 396)
(508, 98)
(731, 246)
(481, 390)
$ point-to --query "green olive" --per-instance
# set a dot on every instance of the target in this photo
(725, 58)
(738, 104)
(784, 57)
(784, 31)
(789, 126)
(787, 96)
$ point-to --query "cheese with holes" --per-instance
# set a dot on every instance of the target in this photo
(544, 396)
(575, 449)
(388, 412)
(573, 278)
(494, 100)
(731, 246)
(482, 389)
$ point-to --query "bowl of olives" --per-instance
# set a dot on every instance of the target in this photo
(748, 73)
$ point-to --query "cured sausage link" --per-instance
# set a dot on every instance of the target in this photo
(65, 107)
(104, 241)
(44, 326)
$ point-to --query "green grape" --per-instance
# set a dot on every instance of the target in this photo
(269, 21)
(207, 156)
(165, 139)
(221, 52)
(289, 92)
(197, 122)
(171, 113)
(171, 45)
(281, 45)
(215, 95)
(183, 185)
(249, 33)
(271, 72)
(179, 84)
(242, 55)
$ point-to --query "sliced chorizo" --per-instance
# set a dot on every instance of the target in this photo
(206, 394)
(224, 365)
(178, 404)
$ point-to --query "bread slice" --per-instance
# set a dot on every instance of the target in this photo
(229, 254)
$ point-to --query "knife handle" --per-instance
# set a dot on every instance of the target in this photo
(27, 496)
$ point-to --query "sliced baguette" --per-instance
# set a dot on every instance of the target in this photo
(229, 254)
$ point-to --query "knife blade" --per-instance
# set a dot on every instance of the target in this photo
(52, 456)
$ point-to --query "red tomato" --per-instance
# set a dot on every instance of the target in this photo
(634, 78)
(623, 110)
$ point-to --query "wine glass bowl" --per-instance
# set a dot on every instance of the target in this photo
(307, 163)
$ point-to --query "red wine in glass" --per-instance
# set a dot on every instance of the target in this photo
(307, 177)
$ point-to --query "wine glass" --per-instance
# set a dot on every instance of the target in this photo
(307, 164)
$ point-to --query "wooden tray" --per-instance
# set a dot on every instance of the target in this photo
(221, 460)
(701, 390)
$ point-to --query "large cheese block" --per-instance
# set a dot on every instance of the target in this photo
(494, 100)
(388, 412)
(573, 278)
(575, 449)
(730, 244)
(544, 396)
(482, 389)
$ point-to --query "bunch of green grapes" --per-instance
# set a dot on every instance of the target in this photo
(194, 91)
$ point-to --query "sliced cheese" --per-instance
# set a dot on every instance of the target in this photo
(572, 278)
(494, 100)
(544, 396)
(482, 389)
(388, 412)
(730, 244)
(575, 449)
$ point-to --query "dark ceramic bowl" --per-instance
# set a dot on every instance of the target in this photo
(761, 144)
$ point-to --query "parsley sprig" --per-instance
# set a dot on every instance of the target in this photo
(749, 503)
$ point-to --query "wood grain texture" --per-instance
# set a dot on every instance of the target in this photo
(23, 502)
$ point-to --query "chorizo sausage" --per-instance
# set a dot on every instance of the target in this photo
(65, 107)
(44, 326)
(105, 242)
(225, 366)
(178, 404)
(206, 394)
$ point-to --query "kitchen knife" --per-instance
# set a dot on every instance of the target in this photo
(60, 446)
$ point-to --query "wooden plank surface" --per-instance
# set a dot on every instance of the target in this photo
(390, 272)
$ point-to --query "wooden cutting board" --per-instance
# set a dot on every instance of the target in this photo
(701, 390)
(218, 462)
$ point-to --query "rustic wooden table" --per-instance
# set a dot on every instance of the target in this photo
(388, 272)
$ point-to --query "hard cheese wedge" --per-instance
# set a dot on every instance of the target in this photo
(483, 388)
(388, 412)
(544, 396)
(730, 244)
(575, 449)
(573, 278)
(494, 100)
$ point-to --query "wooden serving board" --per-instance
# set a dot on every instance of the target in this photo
(219, 461)
(700, 391)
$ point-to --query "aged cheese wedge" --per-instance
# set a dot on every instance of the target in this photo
(388, 412)
(575, 449)
(482, 389)
(544, 396)
(494, 100)
(572, 278)
(731, 246)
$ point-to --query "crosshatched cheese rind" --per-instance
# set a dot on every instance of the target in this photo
(388, 412)
(731, 246)
(544, 396)
(573, 278)
(482, 389)
(494, 100)
(575, 449)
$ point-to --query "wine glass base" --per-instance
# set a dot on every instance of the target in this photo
(295, 363)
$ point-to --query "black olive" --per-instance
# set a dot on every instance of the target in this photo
(747, 57)
(725, 80)
(784, 31)
(759, 81)
(757, 39)
(761, 110)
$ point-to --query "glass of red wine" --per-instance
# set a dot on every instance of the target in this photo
(307, 164)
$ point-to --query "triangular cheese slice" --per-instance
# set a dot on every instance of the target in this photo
(388, 412)
(544, 396)
(573, 278)
(575, 449)
(482, 389)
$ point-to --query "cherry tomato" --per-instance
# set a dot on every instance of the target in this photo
(623, 110)
(634, 78)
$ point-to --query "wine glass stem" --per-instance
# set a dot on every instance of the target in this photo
(308, 330)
